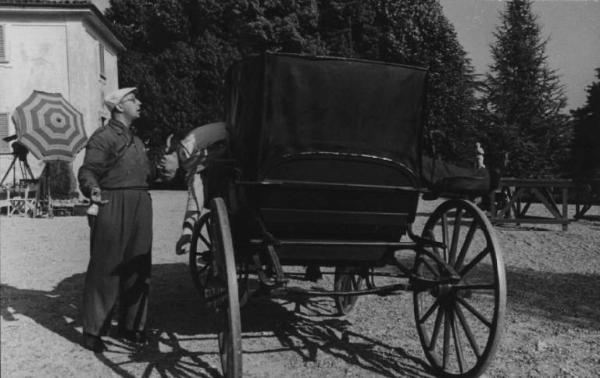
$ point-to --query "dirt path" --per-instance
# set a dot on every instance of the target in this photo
(552, 327)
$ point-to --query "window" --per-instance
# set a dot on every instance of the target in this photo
(4, 146)
(101, 55)
(3, 55)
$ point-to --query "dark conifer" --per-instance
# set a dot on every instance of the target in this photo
(586, 145)
(524, 98)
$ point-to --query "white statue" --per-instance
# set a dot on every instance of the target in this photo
(480, 155)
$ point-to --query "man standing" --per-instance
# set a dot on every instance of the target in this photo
(115, 174)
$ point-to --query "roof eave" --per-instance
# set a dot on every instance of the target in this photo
(88, 12)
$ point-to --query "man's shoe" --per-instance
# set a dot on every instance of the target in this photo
(135, 337)
(93, 343)
(313, 273)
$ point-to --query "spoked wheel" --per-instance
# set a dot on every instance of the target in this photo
(347, 279)
(227, 315)
(459, 315)
(201, 267)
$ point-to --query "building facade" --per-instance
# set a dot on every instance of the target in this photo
(62, 47)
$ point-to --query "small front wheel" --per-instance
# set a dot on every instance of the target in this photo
(200, 258)
(347, 279)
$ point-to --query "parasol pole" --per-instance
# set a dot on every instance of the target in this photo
(50, 208)
(48, 180)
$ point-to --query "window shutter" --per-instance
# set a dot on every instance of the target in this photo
(4, 146)
(2, 45)
(101, 56)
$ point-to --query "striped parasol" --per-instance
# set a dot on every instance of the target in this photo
(49, 126)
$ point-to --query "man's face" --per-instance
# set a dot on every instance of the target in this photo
(130, 106)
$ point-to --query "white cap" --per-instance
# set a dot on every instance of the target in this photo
(114, 98)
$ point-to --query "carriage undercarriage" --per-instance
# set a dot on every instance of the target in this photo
(458, 283)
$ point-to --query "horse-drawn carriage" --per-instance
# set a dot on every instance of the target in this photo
(325, 169)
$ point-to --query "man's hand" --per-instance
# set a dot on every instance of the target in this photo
(167, 166)
(96, 196)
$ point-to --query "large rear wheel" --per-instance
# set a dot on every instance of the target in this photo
(459, 310)
(227, 308)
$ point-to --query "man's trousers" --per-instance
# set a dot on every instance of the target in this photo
(120, 261)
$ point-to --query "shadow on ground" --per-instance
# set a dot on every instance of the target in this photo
(178, 319)
(571, 298)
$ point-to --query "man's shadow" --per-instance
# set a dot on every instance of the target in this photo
(178, 322)
(58, 311)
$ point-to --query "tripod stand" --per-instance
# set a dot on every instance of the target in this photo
(24, 168)
(22, 203)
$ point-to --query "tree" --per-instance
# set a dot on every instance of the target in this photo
(178, 53)
(524, 98)
(411, 32)
(585, 161)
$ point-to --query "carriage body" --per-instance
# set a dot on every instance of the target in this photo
(327, 149)
(326, 170)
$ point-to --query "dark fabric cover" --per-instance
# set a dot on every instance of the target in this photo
(445, 178)
(283, 104)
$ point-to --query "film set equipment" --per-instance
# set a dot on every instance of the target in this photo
(19, 161)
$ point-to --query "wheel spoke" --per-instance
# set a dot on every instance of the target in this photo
(429, 312)
(445, 235)
(446, 339)
(431, 269)
(205, 240)
(455, 236)
(475, 287)
(466, 245)
(467, 330)
(436, 328)
(475, 261)
(457, 344)
(473, 311)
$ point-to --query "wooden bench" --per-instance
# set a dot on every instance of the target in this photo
(519, 194)
(586, 196)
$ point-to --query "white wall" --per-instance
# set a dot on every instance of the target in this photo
(55, 54)
(87, 86)
(37, 60)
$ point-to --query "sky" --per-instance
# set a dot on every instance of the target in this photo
(572, 26)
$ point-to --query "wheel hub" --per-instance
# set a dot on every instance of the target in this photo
(441, 290)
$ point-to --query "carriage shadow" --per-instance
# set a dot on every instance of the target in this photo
(311, 332)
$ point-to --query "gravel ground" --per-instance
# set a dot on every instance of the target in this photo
(552, 323)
